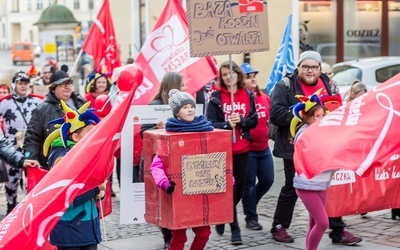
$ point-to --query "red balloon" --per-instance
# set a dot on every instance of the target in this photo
(102, 108)
(129, 76)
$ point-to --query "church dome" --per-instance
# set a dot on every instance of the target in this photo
(56, 14)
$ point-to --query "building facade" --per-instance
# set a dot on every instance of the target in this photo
(18, 16)
(338, 29)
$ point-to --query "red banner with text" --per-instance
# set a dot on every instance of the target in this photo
(378, 189)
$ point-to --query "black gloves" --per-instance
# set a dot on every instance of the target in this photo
(171, 187)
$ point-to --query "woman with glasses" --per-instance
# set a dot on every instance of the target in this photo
(60, 88)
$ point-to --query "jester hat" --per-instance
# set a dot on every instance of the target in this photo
(32, 71)
(301, 108)
(96, 74)
(69, 123)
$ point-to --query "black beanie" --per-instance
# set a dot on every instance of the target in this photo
(59, 76)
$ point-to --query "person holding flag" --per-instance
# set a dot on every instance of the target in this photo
(79, 226)
(305, 80)
(312, 191)
(239, 115)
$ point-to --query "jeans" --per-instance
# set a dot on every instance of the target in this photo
(240, 164)
(261, 169)
(287, 197)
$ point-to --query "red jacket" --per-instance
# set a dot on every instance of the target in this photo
(260, 133)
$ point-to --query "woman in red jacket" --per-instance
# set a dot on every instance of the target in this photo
(241, 118)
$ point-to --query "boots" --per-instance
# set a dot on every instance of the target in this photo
(167, 235)
(11, 206)
(236, 238)
(395, 213)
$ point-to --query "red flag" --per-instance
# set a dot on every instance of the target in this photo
(167, 49)
(101, 42)
(359, 136)
(84, 167)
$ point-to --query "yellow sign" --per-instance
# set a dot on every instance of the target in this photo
(50, 48)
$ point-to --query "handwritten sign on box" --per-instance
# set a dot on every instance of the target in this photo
(227, 27)
(204, 173)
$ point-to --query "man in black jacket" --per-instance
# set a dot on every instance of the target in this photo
(305, 80)
(39, 128)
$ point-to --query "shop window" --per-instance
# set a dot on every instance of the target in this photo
(318, 28)
(394, 28)
(362, 29)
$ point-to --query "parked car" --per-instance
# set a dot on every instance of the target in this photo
(352, 51)
(371, 71)
(22, 51)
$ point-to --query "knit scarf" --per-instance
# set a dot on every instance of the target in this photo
(199, 124)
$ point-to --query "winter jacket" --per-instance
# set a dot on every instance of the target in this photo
(215, 114)
(39, 127)
(260, 133)
(317, 183)
(9, 154)
(80, 224)
(158, 173)
(281, 116)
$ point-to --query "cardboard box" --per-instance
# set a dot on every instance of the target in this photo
(201, 166)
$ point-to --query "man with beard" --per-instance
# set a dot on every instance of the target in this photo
(305, 80)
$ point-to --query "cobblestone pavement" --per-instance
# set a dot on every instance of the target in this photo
(377, 228)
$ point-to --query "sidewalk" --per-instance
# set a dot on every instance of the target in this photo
(378, 230)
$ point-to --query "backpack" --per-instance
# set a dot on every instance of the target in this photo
(272, 129)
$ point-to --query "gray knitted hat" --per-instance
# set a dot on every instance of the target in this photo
(310, 55)
(178, 99)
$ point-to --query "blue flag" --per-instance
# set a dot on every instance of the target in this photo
(284, 59)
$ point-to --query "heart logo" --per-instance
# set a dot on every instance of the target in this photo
(166, 40)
